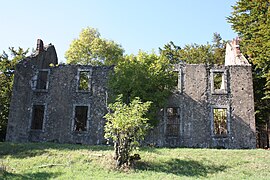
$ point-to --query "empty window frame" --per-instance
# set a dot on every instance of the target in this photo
(173, 122)
(220, 121)
(218, 76)
(84, 80)
(80, 118)
(42, 80)
(177, 75)
(176, 78)
(37, 117)
(218, 82)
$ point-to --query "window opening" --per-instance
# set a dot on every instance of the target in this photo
(220, 121)
(172, 128)
(176, 78)
(80, 118)
(42, 80)
(37, 117)
(218, 80)
(84, 80)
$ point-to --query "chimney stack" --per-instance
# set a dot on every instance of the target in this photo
(235, 44)
(40, 46)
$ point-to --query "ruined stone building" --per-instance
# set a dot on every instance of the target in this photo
(213, 105)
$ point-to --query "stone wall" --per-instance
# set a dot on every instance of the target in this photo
(188, 120)
(195, 101)
(59, 99)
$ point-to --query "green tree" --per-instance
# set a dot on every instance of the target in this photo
(251, 20)
(7, 67)
(91, 49)
(195, 53)
(218, 49)
(126, 125)
(147, 76)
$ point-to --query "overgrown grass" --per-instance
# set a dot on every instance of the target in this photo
(62, 161)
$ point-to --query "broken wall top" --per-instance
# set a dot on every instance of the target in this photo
(46, 55)
(233, 54)
(42, 57)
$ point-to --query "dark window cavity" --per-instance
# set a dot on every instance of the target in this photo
(220, 121)
(84, 81)
(80, 119)
(42, 80)
(172, 127)
(37, 117)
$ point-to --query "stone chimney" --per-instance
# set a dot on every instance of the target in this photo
(236, 47)
(40, 46)
(233, 53)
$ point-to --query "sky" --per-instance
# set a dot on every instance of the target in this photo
(135, 24)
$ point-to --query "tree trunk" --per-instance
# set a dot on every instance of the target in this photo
(121, 149)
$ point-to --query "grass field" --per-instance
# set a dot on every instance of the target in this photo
(63, 161)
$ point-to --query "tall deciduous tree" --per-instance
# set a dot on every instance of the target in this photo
(251, 20)
(91, 49)
(7, 67)
(147, 76)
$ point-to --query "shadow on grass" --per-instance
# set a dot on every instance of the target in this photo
(37, 175)
(181, 167)
(23, 150)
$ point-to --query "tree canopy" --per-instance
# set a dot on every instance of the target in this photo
(195, 53)
(251, 20)
(147, 76)
(91, 49)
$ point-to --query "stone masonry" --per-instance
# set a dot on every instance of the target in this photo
(212, 106)
(59, 99)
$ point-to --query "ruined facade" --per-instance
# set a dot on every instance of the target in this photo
(65, 103)
(213, 105)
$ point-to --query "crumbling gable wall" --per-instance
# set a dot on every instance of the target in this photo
(21, 100)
